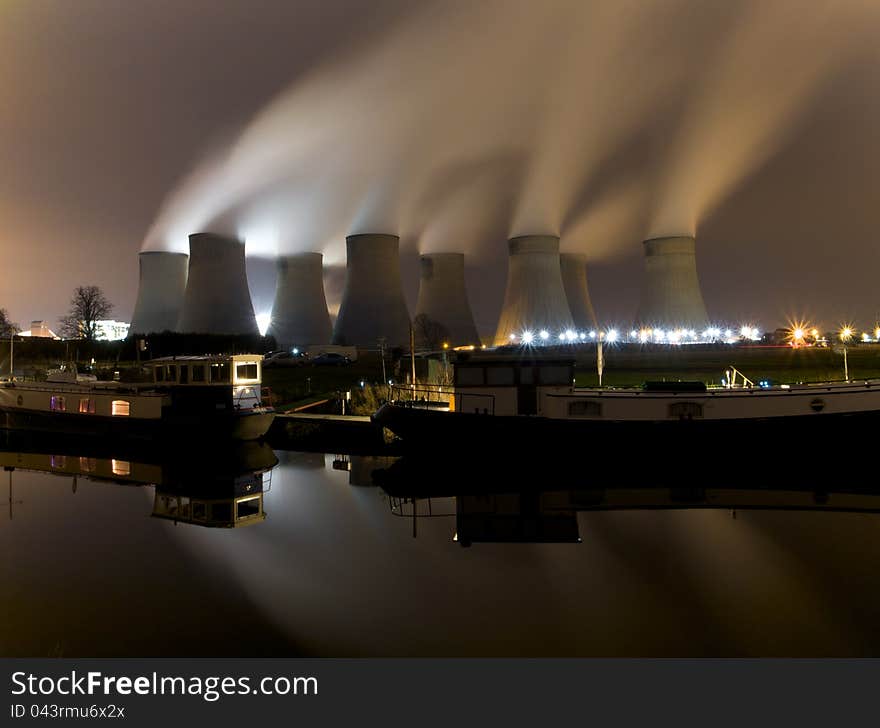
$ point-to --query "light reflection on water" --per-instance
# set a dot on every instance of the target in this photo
(335, 569)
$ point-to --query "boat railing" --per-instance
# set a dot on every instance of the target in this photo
(730, 378)
(426, 396)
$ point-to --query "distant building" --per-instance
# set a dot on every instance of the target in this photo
(40, 330)
(109, 330)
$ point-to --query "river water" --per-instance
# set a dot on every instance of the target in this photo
(340, 568)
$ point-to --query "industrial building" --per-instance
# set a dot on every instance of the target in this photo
(443, 301)
(161, 289)
(299, 313)
(217, 299)
(534, 300)
(373, 306)
(671, 296)
(574, 279)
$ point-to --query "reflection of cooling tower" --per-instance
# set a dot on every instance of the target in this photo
(160, 291)
(217, 299)
(535, 297)
(443, 301)
(671, 295)
(574, 279)
(372, 306)
(299, 314)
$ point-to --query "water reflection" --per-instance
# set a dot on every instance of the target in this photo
(203, 488)
(564, 561)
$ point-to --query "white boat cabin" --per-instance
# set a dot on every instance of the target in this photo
(241, 372)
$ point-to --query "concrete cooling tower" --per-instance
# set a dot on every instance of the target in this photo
(671, 295)
(299, 314)
(443, 300)
(373, 305)
(535, 298)
(217, 299)
(160, 291)
(574, 280)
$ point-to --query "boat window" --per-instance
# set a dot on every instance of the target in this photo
(199, 511)
(121, 467)
(56, 403)
(198, 372)
(246, 371)
(184, 374)
(527, 375)
(555, 375)
(159, 373)
(120, 408)
(87, 465)
(499, 375)
(247, 508)
(468, 376)
(686, 410)
(86, 406)
(582, 408)
(171, 373)
(219, 373)
(58, 461)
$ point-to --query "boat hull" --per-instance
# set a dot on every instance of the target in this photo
(457, 433)
(251, 425)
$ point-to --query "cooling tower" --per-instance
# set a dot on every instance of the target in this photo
(217, 299)
(671, 295)
(574, 280)
(160, 291)
(443, 301)
(535, 296)
(373, 305)
(299, 314)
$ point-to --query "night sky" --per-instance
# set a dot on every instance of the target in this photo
(754, 124)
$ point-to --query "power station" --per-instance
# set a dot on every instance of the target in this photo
(299, 313)
(443, 300)
(534, 299)
(217, 298)
(373, 306)
(574, 279)
(161, 289)
(671, 296)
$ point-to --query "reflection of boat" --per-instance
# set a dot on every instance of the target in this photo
(204, 397)
(532, 402)
(517, 503)
(223, 488)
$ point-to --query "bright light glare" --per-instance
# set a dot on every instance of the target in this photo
(527, 337)
(544, 334)
(611, 335)
(513, 337)
(263, 321)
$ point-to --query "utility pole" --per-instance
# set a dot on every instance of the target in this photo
(412, 358)
(382, 355)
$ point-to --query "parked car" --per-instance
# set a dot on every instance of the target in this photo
(283, 359)
(331, 359)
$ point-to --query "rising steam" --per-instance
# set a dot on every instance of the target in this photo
(469, 122)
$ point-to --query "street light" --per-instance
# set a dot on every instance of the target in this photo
(846, 334)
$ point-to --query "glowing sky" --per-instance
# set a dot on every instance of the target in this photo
(453, 124)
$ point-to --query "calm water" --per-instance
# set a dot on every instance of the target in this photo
(338, 567)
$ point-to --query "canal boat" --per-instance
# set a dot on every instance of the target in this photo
(522, 402)
(196, 398)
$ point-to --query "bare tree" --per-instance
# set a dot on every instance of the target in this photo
(7, 327)
(429, 334)
(88, 306)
